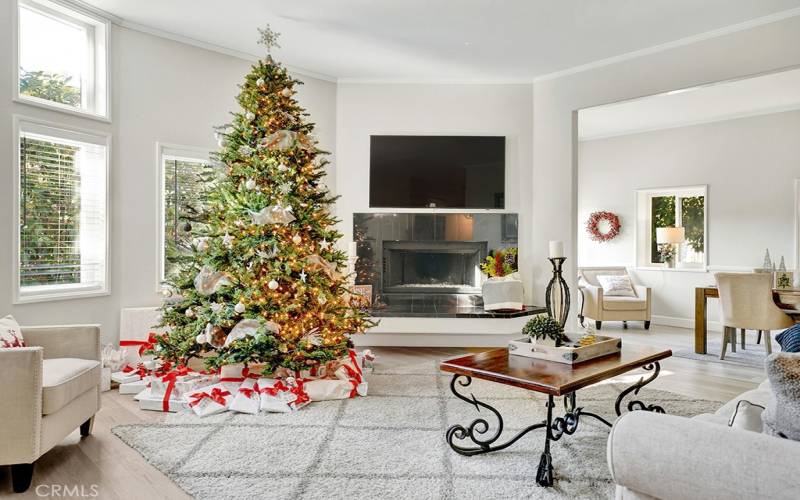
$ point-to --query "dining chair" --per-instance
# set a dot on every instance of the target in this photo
(747, 304)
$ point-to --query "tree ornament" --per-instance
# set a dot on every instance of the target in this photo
(296, 239)
(324, 244)
(286, 92)
(227, 240)
(273, 285)
(285, 188)
(273, 214)
(322, 299)
(187, 227)
(250, 184)
(245, 150)
(209, 281)
(201, 338)
(239, 307)
(303, 275)
(216, 335)
(268, 38)
(216, 307)
(189, 313)
(282, 168)
(249, 116)
(201, 243)
(222, 142)
(249, 327)
(260, 82)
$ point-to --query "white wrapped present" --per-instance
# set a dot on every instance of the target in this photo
(123, 377)
(328, 389)
(136, 386)
(247, 398)
(279, 396)
(148, 401)
(210, 400)
(179, 382)
(135, 348)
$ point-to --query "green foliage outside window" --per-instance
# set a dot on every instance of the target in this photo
(663, 214)
(186, 188)
(49, 86)
(50, 209)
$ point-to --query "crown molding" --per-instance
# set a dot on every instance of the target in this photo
(690, 123)
(708, 35)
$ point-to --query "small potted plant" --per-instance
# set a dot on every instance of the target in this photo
(544, 330)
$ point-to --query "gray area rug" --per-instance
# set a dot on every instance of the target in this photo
(754, 355)
(389, 444)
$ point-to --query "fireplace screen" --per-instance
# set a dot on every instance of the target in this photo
(432, 266)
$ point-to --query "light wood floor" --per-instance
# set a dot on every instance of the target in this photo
(119, 472)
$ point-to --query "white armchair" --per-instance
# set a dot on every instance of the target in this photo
(604, 308)
(48, 389)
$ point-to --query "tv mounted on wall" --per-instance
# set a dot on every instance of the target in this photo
(414, 171)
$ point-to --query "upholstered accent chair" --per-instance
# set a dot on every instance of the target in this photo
(49, 388)
(746, 303)
(601, 308)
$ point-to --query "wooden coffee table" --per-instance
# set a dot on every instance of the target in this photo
(547, 377)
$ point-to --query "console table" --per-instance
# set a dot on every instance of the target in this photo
(785, 299)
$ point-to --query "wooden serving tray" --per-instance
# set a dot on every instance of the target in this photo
(569, 354)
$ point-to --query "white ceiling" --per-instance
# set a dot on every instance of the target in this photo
(764, 94)
(457, 40)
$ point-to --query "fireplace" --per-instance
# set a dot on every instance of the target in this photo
(432, 267)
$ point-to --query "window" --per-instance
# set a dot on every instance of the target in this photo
(672, 227)
(61, 57)
(186, 175)
(62, 211)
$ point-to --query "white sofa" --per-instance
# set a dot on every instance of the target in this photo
(668, 457)
(47, 390)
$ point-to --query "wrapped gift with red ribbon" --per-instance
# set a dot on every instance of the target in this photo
(347, 382)
(210, 400)
(135, 348)
(178, 382)
(282, 396)
(247, 399)
(233, 376)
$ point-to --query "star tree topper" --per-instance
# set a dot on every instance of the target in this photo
(269, 38)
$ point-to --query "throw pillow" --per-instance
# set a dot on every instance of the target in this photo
(616, 285)
(747, 416)
(789, 339)
(10, 333)
(782, 416)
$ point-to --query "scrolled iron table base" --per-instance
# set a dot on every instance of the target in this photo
(555, 426)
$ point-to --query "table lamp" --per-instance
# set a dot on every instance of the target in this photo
(668, 238)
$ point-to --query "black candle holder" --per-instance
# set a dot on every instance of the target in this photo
(559, 311)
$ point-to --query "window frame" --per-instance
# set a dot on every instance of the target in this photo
(163, 150)
(46, 293)
(98, 86)
(644, 224)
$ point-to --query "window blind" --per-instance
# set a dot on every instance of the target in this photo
(62, 234)
(186, 183)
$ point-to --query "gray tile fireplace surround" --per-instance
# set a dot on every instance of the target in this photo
(425, 265)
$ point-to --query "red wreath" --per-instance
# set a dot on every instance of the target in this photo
(594, 221)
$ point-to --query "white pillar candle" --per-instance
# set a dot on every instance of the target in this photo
(353, 249)
(556, 249)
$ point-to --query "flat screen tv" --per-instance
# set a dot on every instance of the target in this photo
(414, 171)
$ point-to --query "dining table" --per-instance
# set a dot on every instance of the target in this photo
(786, 299)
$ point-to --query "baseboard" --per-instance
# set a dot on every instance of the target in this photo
(432, 340)
(712, 326)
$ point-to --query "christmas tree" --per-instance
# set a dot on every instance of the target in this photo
(264, 283)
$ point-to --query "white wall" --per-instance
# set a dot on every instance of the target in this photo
(162, 91)
(369, 109)
(749, 165)
(554, 181)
